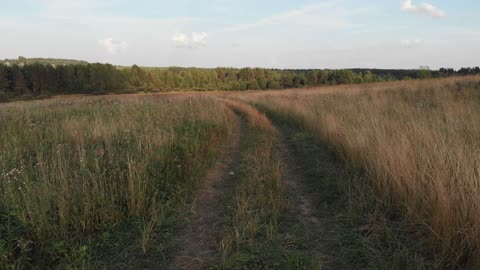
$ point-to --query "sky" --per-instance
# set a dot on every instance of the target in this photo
(248, 33)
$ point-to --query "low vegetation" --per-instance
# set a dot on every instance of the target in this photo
(84, 176)
(418, 144)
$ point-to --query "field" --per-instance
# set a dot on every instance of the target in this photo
(371, 176)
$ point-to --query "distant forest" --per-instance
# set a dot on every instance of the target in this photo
(27, 78)
(46, 61)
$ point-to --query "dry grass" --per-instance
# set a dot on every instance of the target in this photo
(252, 237)
(418, 142)
(258, 197)
(74, 169)
(78, 172)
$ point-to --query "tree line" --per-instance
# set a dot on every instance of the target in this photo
(47, 61)
(40, 79)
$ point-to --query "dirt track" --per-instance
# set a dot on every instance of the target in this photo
(198, 243)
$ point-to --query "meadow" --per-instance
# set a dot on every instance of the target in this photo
(371, 176)
(417, 144)
(84, 176)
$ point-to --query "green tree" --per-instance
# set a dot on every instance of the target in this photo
(38, 78)
(358, 78)
(81, 84)
(312, 77)
(262, 82)
(273, 84)
(4, 81)
(98, 78)
(66, 78)
(253, 85)
(138, 77)
(299, 80)
(246, 74)
(368, 77)
(287, 80)
(424, 74)
(51, 78)
(324, 77)
(342, 76)
(20, 85)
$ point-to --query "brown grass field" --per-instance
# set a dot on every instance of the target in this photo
(416, 141)
(97, 182)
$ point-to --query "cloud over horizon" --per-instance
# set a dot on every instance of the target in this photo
(192, 41)
(112, 47)
(410, 43)
(423, 9)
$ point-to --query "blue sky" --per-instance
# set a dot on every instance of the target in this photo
(268, 33)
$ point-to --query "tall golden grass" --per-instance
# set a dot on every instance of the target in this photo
(73, 169)
(418, 141)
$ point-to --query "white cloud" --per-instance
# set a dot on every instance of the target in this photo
(180, 39)
(424, 9)
(199, 38)
(112, 47)
(410, 43)
(194, 40)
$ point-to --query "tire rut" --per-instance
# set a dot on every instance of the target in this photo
(317, 226)
(304, 202)
(199, 241)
